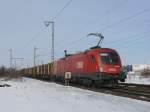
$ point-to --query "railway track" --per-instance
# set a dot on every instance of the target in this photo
(138, 91)
(134, 85)
(135, 91)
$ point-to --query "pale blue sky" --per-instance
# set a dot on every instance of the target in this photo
(125, 25)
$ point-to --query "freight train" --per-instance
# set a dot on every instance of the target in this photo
(96, 65)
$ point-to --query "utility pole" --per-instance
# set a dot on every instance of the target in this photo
(11, 57)
(34, 58)
(35, 55)
(21, 60)
(52, 58)
(47, 23)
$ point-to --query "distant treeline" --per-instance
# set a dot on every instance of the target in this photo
(145, 72)
(9, 72)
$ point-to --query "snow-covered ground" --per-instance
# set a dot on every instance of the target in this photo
(30, 95)
(137, 78)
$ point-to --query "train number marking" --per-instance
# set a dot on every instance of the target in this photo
(112, 69)
(79, 65)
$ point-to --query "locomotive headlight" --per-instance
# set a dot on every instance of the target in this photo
(101, 69)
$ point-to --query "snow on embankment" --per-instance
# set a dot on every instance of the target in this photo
(137, 78)
(36, 96)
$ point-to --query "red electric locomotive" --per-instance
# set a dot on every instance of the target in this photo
(96, 65)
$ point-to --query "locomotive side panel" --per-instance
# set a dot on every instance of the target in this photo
(76, 64)
(60, 67)
(92, 64)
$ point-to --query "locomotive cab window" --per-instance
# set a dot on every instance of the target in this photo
(109, 57)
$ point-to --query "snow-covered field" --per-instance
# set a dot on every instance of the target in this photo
(30, 95)
(137, 78)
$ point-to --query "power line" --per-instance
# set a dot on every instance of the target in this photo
(102, 17)
(121, 21)
(35, 37)
(116, 42)
(12, 58)
(52, 22)
(38, 34)
(70, 43)
(131, 37)
(108, 11)
(65, 6)
(135, 41)
(125, 19)
(131, 40)
(21, 59)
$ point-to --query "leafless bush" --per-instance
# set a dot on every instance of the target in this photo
(9, 73)
(145, 73)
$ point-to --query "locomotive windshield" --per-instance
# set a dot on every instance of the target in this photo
(109, 57)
